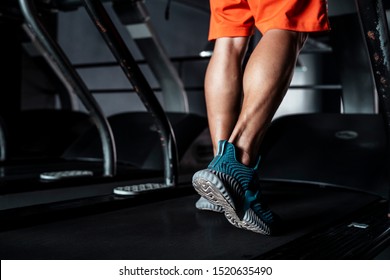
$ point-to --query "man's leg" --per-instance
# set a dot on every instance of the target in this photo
(223, 90)
(266, 79)
(223, 86)
(229, 183)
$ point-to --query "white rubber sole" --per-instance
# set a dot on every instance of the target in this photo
(205, 205)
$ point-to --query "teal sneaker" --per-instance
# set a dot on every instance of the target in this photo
(235, 188)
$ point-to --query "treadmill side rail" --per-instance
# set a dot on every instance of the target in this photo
(376, 33)
(61, 65)
(116, 44)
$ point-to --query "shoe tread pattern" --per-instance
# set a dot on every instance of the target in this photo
(211, 185)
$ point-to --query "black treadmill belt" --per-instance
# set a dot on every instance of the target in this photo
(174, 229)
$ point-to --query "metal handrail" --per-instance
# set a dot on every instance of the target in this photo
(116, 44)
(377, 37)
(61, 65)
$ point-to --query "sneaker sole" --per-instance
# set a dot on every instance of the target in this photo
(210, 186)
(205, 205)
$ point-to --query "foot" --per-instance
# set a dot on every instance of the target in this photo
(235, 188)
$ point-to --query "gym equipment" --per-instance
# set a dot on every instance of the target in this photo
(346, 150)
(64, 69)
(321, 223)
(61, 65)
(36, 171)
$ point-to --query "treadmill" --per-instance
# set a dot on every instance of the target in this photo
(322, 221)
(90, 148)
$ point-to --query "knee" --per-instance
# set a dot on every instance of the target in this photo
(294, 39)
(232, 47)
(297, 39)
(301, 39)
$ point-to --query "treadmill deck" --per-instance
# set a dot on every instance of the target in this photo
(163, 226)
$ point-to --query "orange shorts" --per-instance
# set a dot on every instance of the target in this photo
(236, 18)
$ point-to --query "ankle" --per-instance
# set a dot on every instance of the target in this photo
(245, 153)
(244, 158)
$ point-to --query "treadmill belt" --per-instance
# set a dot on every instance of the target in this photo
(175, 229)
